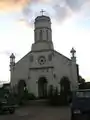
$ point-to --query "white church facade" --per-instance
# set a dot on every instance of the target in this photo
(43, 66)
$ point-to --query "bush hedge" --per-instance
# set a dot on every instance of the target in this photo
(56, 99)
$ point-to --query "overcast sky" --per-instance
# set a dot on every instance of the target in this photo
(70, 28)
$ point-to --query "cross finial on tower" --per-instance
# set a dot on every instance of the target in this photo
(42, 11)
(73, 51)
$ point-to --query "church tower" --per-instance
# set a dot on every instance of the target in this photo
(42, 33)
(74, 69)
(12, 61)
(43, 67)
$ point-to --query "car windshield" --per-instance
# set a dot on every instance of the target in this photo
(83, 94)
(3, 92)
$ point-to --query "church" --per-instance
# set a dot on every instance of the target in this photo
(43, 66)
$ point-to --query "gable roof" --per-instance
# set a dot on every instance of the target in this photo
(44, 51)
(62, 55)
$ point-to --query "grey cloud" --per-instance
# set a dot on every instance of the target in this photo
(8, 53)
(57, 5)
(75, 4)
(61, 8)
(27, 15)
(60, 12)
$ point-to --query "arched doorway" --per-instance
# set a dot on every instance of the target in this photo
(65, 88)
(65, 84)
(21, 89)
(42, 87)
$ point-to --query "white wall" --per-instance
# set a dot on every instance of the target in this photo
(42, 45)
(53, 70)
(20, 70)
(65, 67)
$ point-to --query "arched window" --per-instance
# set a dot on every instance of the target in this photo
(47, 34)
(40, 34)
(21, 88)
(35, 35)
(65, 83)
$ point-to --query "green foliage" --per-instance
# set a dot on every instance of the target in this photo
(63, 98)
(27, 96)
(56, 92)
(82, 83)
(50, 92)
(59, 100)
(81, 80)
(53, 96)
(31, 96)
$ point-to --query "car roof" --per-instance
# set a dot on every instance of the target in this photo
(82, 90)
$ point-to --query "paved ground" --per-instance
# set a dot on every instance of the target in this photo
(39, 113)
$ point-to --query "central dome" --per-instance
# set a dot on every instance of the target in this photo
(40, 18)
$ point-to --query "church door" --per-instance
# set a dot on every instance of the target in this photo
(65, 88)
(21, 89)
(42, 87)
(65, 84)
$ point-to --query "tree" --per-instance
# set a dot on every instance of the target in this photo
(82, 83)
(81, 80)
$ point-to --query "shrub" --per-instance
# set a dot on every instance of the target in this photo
(50, 92)
(64, 99)
(31, 96)
(53, 96)
(56, 92)
(58, 100)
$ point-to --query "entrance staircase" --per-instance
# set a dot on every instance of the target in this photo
(40, 102)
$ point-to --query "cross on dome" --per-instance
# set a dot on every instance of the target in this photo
(42, 11)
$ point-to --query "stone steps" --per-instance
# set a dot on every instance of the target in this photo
(41, 102)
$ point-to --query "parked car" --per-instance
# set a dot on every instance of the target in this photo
(6, 102)
(80, 106)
